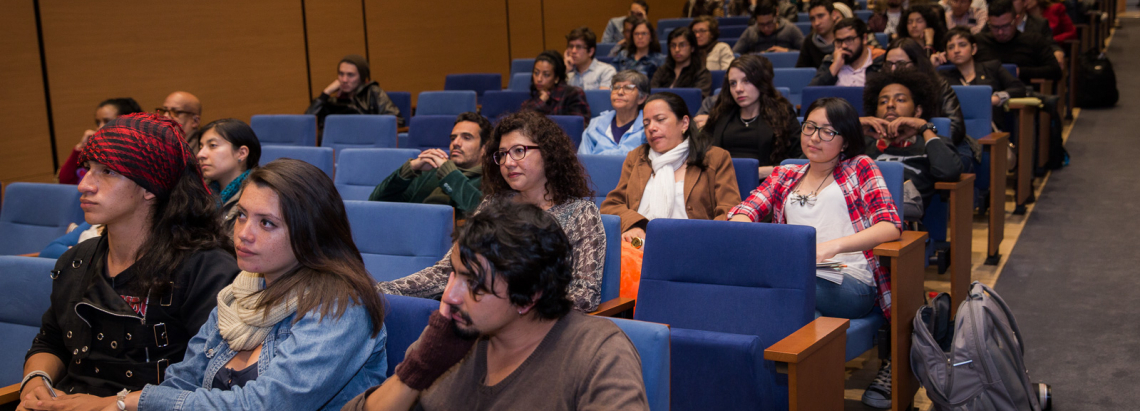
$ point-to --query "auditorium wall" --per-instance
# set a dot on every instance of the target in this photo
(249, 57)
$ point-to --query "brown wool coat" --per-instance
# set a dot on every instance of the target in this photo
(709, 193)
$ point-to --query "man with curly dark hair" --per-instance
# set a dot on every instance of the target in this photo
(901, 131)
(536, 165)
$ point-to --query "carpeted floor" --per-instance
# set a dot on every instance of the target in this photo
(1073, 279)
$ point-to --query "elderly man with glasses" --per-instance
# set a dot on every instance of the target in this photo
(185, 109)
(852, 59)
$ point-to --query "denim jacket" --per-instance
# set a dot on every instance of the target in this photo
(311, 364)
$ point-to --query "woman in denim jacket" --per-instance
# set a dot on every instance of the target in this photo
(301, 328)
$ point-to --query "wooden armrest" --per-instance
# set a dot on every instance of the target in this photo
(403, 129)
(10, 393)
(30, 255)
(905, 244)
(996, 138)
(614, 307)
(804, 342)
(966, 180)
(1023, 102)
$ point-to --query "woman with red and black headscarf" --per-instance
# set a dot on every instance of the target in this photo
(125, 304)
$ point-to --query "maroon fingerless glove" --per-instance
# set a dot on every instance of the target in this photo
(435, 352)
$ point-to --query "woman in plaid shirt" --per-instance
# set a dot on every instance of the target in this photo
(842, 194)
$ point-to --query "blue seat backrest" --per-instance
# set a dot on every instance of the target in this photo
(321, 157)
(786, 92)
(732, 31)
(359, 170)
(404, 319)
(35, 214)
(599, 101)
(604, 59)
(431, 131)
(864, 14)
(692, 97)
(853, 95)
(718, 78)
(730, 41)
(520, 82)
(732, 21)
(526, 65)
(803, 17)
(477, 82)
(499, 102)
(25, 294)
(883, 39)
(652, 343)
(785, 59)
(285, 129)
(403, 102)
(747, 175)
(359, 131)
(604, 173)
(1011, 68)
(573, 126)
(805, 27)
(398, 239)
(446, 102)
(795, 79)
(977, 112)
(602, 50)
(892, 172)
(664, 26)
(611, 272)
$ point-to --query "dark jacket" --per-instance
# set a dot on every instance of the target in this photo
(367, 99)
(990, 73)
(715, 132)
(693, 76)
(924, 164)
(104, 344)
(823, 76)
(1029, 51)
(564, 100)
(812, 52)
(447, 184)
(951, 109)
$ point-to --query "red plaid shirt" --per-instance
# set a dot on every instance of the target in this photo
(868, 202)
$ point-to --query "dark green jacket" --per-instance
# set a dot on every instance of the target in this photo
(447, 185)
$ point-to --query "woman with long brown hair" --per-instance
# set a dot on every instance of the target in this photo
(537, 165)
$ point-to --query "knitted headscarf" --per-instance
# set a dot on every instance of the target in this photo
(144, 147)
(361, 66)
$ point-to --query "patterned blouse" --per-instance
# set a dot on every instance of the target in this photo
(583, 225)
(868, 203)
(647, 64)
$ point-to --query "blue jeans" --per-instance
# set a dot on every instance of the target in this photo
(852, 299)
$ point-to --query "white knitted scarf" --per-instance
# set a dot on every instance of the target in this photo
(660, 190)
(242, 325)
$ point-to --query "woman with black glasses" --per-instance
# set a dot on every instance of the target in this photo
(537, 165)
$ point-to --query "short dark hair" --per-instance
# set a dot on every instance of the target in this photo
(484, 125)
(566, 179)
(714, 27)
(826, 4)
(999, 7)
(555, 59)
(587, 36)
(523, 246)
(845, 120)
(854, 23)
(765, 8)
(239, 134)
(643, 5)
(921, 86)
(123, 105)
(963, 32)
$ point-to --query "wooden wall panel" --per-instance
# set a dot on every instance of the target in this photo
(27, 147)
(561, 16)
(526, 29)
(414, 44)
(239, 58)
(336, 29)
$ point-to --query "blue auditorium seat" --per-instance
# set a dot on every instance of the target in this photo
(664, 26)
(404, 319)
(497, 103)
(477, 82)
(732, 21)
(652, 343)
(321, 157)
(359, 131)
(574, 126)
(399, 239)
(732, 31)
(360, 170)
(692, 97)
(285, 129)
(602, 50)
(604, 173)
(804, 26)
(599, 101)
(718, 78)
(520, 82)
(747, 175)
(431, 131)
(884, 39)
(795, 79)
(34, 214)
(527, 65)
(446, 102)
(786, 59)
(25, 294)
(403, 102)
(853, 95)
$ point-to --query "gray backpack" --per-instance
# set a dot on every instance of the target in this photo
(983, 369)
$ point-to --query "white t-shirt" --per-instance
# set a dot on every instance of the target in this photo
(828, 214)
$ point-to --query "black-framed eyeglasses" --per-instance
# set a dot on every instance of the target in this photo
(517, 152)
(826, 134)
(847, 40)
(173, 111)
(895, 65)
